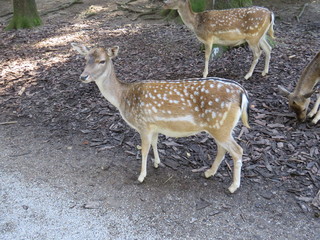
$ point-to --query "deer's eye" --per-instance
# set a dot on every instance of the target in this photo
(102, 62)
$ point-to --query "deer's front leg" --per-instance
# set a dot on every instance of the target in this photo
(216, 163)
(315, 107)
(207, 58)
(145, 145)
(316, 118)
(267, 50)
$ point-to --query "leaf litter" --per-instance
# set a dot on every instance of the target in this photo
(40, 84)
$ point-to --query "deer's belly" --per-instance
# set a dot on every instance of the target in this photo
(228, 42)
(176, 126)
(228, 38)
(172, 133)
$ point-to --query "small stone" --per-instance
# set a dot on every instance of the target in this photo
(280, 144)
(25, 207)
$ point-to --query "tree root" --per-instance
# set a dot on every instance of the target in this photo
(6, 14)
(61, 7)
(141, 13)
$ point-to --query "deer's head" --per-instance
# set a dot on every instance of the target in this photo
(297, 102)
(98, 61)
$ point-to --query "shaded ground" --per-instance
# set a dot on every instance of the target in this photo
(69, 154)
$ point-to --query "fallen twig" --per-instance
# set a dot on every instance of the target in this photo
(202, 169)
(168, 180)
(7, 123)
(20, 154)
(301, 12)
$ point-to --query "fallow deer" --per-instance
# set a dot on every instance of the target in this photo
(230, 27)
(175, 108)
(299, 99)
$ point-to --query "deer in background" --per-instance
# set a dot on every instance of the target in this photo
(175, 108)
(230, 27)
(299, 99)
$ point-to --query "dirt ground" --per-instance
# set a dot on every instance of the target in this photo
(69, 163)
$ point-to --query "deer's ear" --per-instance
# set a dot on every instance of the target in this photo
(307, 95)
(283, 92)
(113, 51)
(80, 48)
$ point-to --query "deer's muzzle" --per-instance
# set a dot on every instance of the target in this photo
(84, 78)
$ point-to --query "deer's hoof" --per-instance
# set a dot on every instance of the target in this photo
(141, 178)
(208, 173)
(233, 187)
(315, 120)
(311, 114)
(247, 76)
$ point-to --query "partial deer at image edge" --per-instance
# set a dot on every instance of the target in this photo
(299, 99)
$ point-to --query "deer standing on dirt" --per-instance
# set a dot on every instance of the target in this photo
(175, 108)
(230, 27)
(299, 99)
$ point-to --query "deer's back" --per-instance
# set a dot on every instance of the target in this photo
(233, 23)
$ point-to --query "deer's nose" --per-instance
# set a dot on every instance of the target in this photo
(84, 77)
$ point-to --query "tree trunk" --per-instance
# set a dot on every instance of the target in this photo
(224, 4)
(210, 4)
(25, 15)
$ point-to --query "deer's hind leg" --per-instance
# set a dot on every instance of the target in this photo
(154, 144)
(267, 50)
(228, 144)
(236, 153)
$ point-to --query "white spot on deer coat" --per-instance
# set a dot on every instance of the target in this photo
(154, 109)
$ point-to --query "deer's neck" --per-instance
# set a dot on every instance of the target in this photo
(188, 16)
(309, 78)
(110, 87)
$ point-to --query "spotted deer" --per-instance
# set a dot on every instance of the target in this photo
(299, 99)
(175, 108)
(230, 27)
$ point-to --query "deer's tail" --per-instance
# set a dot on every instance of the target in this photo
(270, 30)
(245, 110)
